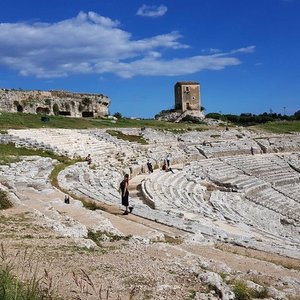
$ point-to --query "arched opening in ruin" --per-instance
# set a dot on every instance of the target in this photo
(64, 113)
(87, 114)
(42, 110)
(19, 108)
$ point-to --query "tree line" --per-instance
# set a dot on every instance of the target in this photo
(248, 119)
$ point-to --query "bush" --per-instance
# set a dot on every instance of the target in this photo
(192, 119)
(86, 101)
(241, 291)
(4, 202)
(55, 109)
(118, 115)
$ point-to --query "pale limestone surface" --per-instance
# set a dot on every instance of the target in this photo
(225, 195)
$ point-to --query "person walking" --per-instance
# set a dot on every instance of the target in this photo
(125, 194)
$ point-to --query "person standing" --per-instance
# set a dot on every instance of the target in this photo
(149, 165)
(168, 160)
(125, 194)
(88, 159)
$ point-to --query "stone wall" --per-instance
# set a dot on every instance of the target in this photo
(54, 103)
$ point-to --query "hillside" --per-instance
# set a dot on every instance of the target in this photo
(224, 225)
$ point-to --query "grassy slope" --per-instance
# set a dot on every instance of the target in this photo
(281, 127)
(19, 120)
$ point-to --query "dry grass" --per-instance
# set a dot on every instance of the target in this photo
(289, 263)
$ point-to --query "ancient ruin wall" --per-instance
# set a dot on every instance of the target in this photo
(54, 103)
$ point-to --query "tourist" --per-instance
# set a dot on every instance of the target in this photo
(88, 159)
(168, 160)
(252, 151)
(125, 194)
(149, 165)
(164, 166)
(67, 199)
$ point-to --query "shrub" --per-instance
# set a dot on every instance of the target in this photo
(55, 109)
(4, 202)
(241, 291)
(48, 101)
(118, 115)
(86, 101)
(192, 119)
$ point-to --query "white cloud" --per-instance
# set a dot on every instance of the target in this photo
(93, 44)
(152, 11)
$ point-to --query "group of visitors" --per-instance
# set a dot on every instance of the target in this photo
(125, 182)
(167, 164)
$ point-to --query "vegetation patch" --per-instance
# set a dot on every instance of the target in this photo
(32, 286)
(103, 236)
(281, 127)
(91, 205)
(4, 202)
(249, 119)
(6, 160)
(243, 292)
(10, 153)
(64, 163)
(127, 137)
(289, 263)
(24, 120)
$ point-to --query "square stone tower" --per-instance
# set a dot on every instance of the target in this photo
(187, 96)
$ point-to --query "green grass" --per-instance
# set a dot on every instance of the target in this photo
(243, 292)
(22, 120)
(11, 288)
(128, 137)
(280, 127)
(9, 153)
(31, 287)
(12, 153)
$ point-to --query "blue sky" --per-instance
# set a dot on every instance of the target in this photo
(244, 53)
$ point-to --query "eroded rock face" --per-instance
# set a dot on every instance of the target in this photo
(54, 103)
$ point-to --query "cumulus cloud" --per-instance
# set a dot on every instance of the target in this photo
(93, 44)
(152, 11)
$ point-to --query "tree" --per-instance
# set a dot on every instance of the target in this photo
(297, 115)
(118, 115)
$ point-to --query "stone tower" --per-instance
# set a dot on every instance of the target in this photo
(187, 96)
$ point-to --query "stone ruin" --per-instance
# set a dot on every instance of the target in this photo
(54, 103)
